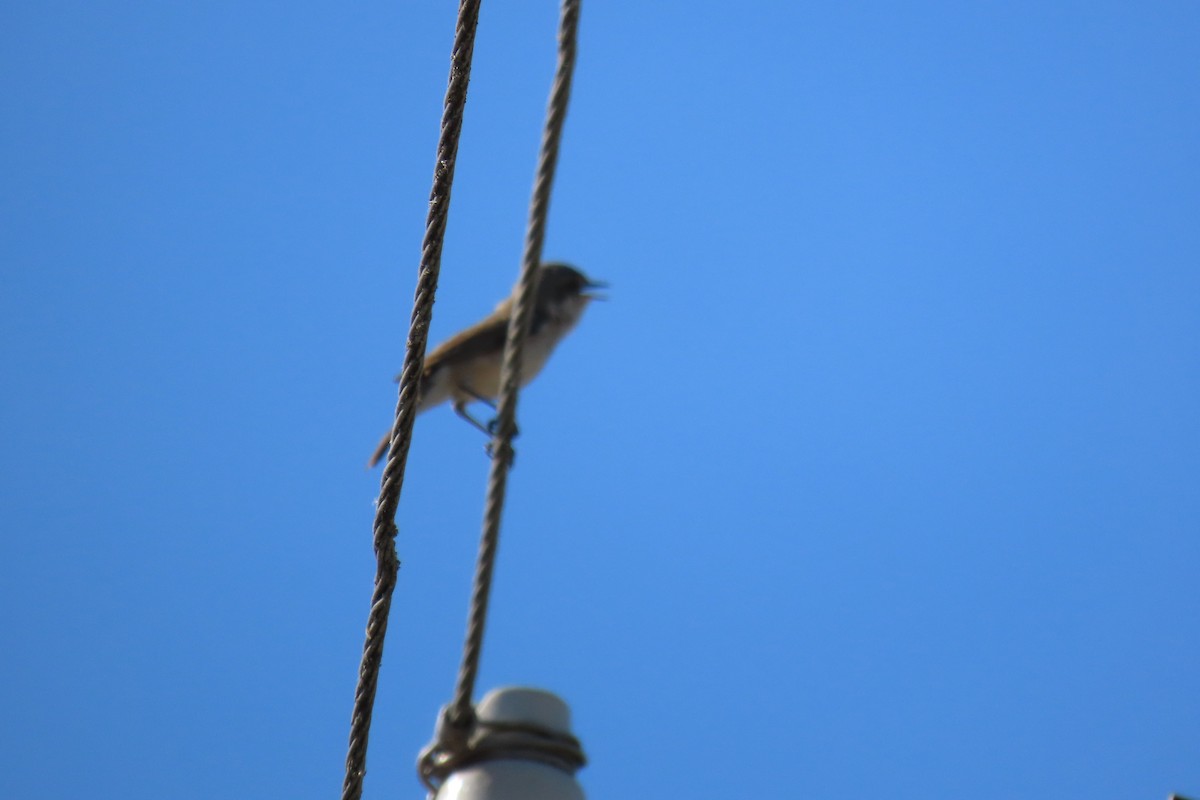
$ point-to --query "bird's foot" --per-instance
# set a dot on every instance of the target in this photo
(510, 455)
(494, 425)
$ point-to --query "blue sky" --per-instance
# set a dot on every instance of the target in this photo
(878, 473)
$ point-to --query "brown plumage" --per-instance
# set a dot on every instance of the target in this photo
(466, 367)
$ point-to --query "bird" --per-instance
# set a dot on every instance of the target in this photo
(466, 367)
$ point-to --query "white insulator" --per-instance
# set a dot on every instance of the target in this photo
(516, 778)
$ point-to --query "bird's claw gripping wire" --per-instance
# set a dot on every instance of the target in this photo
(510, 456)
(494, 424)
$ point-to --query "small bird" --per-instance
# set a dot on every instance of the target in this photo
(466, 367)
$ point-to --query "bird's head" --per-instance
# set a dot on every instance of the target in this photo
(563, 291)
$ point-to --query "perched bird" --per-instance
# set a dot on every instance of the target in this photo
(466, 367)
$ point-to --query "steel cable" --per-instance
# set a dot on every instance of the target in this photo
(518, 329)
(457, 729)
(387, 564)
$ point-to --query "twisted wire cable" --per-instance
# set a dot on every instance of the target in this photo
(384, 530)
(460, 711)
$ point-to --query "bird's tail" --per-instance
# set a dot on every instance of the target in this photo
(381, 450)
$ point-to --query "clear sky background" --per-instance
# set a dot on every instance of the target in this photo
(878, 475)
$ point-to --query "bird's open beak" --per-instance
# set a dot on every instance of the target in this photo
(596, 285)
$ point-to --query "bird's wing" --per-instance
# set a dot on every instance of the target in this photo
(485, 336)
